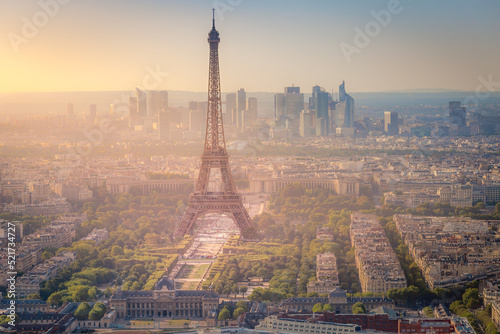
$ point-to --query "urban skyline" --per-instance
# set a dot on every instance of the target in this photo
(325, 214)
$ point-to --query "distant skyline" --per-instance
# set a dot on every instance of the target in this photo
(111, 45)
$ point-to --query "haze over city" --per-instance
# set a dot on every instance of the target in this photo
(106, 45)
(249, 167)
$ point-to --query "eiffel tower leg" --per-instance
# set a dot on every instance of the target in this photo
(202, 184)
(242, 219)
(187, 221)
(227, 178)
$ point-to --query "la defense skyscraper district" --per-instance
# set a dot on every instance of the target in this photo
(215, 156)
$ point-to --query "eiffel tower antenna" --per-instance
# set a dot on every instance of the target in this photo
(202, 201)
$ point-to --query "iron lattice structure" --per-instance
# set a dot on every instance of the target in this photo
(215, 156)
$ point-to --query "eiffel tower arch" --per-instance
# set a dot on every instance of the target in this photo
(202, 201)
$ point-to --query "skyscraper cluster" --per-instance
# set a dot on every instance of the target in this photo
(288, 105)
(147, 110)
(322, 116)
(240, 111)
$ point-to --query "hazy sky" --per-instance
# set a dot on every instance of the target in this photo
(265, 45)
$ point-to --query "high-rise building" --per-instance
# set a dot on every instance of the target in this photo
(157, 102)
(195, 105)
(457, 114)
(342, 93)
(241, 107)
(251, 118)
(321, 127)
(391, 125)
(133, 117)
(93, 113)
(332, 116)
(344, 113)
(294, 102)
(196, 120)
(154, 103)
(231, 108)
(279, 105)
(458, 120)
(142, 102)
(305, 124)
(318, 104)
(288, 104)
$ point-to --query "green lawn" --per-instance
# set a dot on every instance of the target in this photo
(193, 271)
(186, 285)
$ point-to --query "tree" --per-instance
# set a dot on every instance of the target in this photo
(81, 294)
(428, 312)
(243, 290)
(4, 319)
(224, 314)
(34, 296)
(227, 290)
(92, 293)
(358, 308)
(235, 289)
(55, 298)
(97, 312)
(116, 250)
(318, 308)
(82, 312)
(480, 205)
(327, 308)
(491, 329)
(108, 292)
(219, 287)
(152, 238)
(243, 305)
(256, 295)
(239, 311)
(471, 296)
(473, 303)
(46, 255)
(136, 286)
(497, 208)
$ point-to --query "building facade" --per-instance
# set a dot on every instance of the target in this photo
(341, 303)
(273, 324)
(268, 184)
(164, 301)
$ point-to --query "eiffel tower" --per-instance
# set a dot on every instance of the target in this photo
(202, 201)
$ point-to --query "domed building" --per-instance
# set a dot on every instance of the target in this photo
(164, 301)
